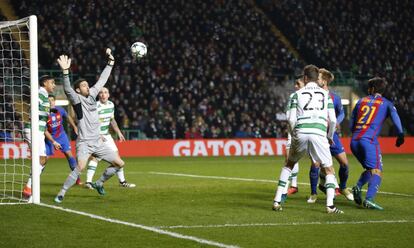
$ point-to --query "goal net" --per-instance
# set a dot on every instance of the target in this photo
(18, 110)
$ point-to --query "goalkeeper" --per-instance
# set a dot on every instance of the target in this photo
(89, 141)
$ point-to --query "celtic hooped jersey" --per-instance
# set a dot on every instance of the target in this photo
(106, 113)
(310, 110)
(44, 107)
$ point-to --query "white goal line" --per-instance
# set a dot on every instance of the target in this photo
(139, 226)
(249, 180)
(289, 224)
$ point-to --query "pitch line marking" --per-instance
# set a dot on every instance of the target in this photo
(290, 224)
(13, 203)
(148, 228)
(251, 180)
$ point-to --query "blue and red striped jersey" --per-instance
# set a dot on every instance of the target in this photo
(368, 117)
(55, 121)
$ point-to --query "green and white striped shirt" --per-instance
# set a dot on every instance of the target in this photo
(311, 111)
(106, 112)
(44, 108)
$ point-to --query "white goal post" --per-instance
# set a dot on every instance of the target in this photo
(19, 108)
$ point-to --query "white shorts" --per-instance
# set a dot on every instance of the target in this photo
(315, 145)
(27, 135)
(42, 145)
(110, 142)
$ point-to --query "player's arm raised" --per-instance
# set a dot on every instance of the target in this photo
(64, 62)
(103, 78)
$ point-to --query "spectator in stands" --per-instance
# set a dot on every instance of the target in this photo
(220, 60)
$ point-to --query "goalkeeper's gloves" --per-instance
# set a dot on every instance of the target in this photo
(400, 140)
(111, 59)
(64, 63)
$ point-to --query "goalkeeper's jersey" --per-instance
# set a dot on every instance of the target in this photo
(85, 107)
(44, 107)
(310, 110)
(106, 113)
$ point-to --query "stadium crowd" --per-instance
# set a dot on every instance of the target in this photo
(367, 38)
(215, 68)
(11, 122)
(210, 71)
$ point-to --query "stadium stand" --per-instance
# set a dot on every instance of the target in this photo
(212, 65)
(367, 38)
(10, 121)
(215, 69)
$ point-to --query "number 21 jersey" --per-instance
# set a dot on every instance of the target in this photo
(369, 114)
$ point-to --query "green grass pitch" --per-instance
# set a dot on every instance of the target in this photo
(205, 198)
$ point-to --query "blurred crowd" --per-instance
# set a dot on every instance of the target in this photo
(7, 118)
(368, 38)
(215, 68)
(11, 87)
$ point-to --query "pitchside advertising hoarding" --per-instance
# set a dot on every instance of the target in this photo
(204, 148)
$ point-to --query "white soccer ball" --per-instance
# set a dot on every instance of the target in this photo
(138, 49)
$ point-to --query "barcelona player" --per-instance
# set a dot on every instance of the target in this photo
(55, 128)
(366, 123)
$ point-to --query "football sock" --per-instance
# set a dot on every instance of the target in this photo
(330, 189)
(91, 170)
(72, 163)
(70, 181)
(343, 176)
(283, 179)
(121, 175)
(336, 182)
(313, 177)
(29, 181)
(108, 173)
(373, 185)
(294, 176)
(286, 188)
(364, 178)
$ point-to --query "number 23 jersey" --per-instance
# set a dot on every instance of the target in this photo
(311, 108)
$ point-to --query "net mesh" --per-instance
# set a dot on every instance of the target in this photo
(15, 165)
